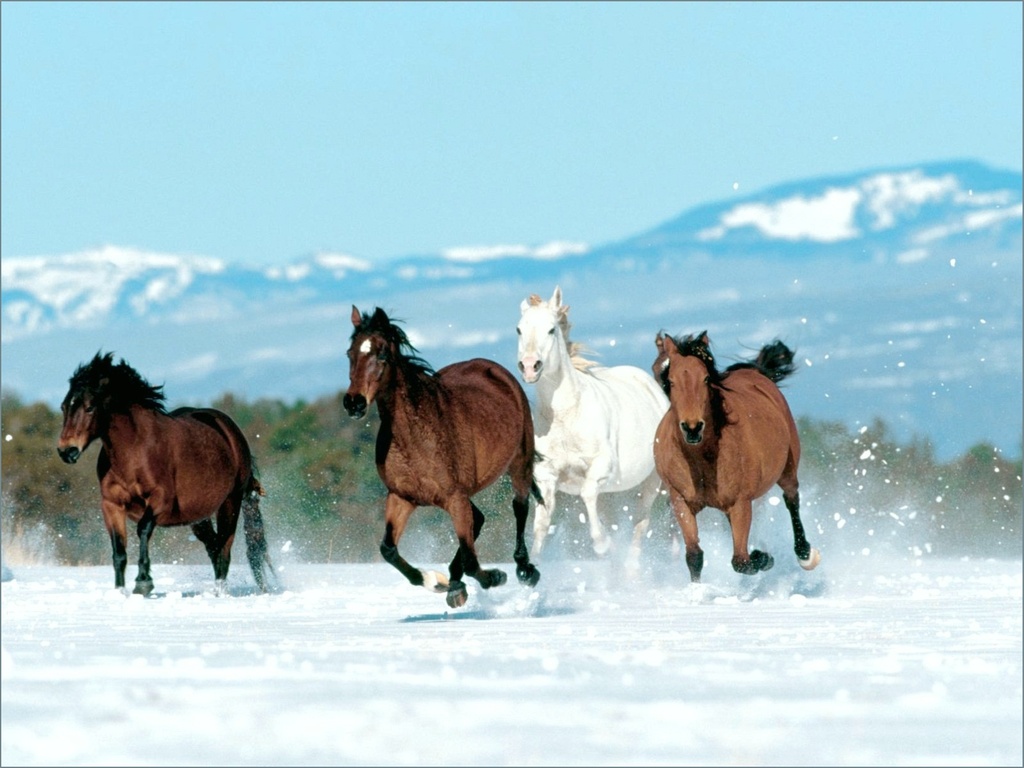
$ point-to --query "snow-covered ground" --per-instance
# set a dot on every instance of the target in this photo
(876, 660)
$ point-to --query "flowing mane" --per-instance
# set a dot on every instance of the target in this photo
(121, 385)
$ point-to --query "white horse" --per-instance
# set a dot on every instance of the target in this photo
(594, 425)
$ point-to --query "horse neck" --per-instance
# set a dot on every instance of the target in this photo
(394, 405)
(561, 388)
(125, 431)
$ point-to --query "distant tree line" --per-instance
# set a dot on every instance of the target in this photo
(324, 501)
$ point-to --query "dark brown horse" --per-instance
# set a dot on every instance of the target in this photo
(443, 437)
(161, 469)
(726, 439)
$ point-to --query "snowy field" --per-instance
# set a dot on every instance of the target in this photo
(865, 661)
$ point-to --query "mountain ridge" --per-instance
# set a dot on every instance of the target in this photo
(924, 260)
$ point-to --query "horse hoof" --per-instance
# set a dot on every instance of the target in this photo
(762, 560)
(812, 560)
(493, 578)
(457, 595)
(528, 575)
(143, 588)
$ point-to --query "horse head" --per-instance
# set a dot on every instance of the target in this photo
(688, 375)
(369, 354)
(378, 350)
(543, 326)
(96, 390)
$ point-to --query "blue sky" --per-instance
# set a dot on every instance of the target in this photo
(261, 133)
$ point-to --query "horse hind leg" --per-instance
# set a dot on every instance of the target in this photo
(649, 491)
(256, 542)
(526, 571)
(207, 534)
(806, 555)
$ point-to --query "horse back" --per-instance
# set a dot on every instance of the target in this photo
(761, 424)
(488, 418)
(212, 457)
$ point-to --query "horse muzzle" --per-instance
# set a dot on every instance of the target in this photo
(355, 405)
(69, 454)
(530, 367)
(693, 435)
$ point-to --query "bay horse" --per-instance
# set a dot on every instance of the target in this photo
(595, 425)
(727, 438)
(163, 469)
(443, 437)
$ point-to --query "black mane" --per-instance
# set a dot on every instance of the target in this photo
(117, 386)
(407, 356)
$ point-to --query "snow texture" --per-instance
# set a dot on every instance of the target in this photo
(867, 660)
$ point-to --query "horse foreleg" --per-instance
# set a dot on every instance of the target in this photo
(396, 516)
(745, 562)
(600, 539)
(806, 555)
(542, 512)
(687, 520)
(143, 580)
(115, 520)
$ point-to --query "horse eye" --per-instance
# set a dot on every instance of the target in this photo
(519, 331)
(551, 332)
(90, 408)
(707, 379)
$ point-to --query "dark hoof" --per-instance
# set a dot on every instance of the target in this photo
(492, 578)
(143, 588)
(457, 595)
(758, 561)
(528, 575)
(762, 560)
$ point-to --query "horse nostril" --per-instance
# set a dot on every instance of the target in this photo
(692, 434)
(69, 455)
(355, 405)
(522, 367)
(536, 366)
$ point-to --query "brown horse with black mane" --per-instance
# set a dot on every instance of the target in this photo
(443, 437)
(726, 439)
(163, 469)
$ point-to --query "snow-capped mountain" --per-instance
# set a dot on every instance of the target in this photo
(899, 287)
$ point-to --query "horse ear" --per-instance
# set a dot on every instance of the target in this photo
(659, 340)
(556, 297)
(704, 339)
(357, 318)
(379, 317)
(523, 306)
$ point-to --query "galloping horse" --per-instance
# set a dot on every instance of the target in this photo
(595, 424)
(163, 469)
(443, 437)
(727, 438)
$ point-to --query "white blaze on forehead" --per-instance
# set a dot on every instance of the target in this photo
(364, 348)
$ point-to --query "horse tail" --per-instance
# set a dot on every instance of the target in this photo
(255, 539)
(775, 361)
